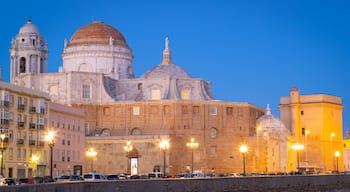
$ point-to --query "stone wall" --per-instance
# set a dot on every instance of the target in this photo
(329, 183)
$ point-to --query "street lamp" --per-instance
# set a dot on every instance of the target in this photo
(91, 153)
(2, 148)
(128, 149)
(50, 139)
(297, 147)
(257, 146)
(243, 149)
(164, 146)
(337, 154)
(192, 145)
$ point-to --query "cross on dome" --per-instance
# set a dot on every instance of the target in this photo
(166, 53)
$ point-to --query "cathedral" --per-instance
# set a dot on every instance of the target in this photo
(127, 117)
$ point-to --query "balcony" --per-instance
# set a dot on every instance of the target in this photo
(20, 124)
(31, 142)
(20, 107)
(20, 141)
(41, 143)
(4, 103)
(4, 121)
(41, 127)
(32, 109)
(32, 125)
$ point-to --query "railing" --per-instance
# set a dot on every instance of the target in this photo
(41, 143)
(4, 121)
(32, 125)
(20, 141)
(20, 107)
(4, 103)
(20, 124)
(41, 127)
(32, 142)
(32, 109)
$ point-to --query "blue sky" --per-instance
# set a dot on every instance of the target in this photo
(251, 51)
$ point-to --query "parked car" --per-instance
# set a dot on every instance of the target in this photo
(112, 177)
(93, 177)
(23, 181)
(155, 175)
(67, 178)
(10, 181)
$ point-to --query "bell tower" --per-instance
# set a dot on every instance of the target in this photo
(28, 52)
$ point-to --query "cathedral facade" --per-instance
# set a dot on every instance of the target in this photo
(164, 103)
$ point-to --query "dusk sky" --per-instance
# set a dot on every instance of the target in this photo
(251, 51)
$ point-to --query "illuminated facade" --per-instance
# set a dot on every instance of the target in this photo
(316, 122)
(166, 102)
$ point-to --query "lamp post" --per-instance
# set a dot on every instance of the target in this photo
(2, 148)
(91, 153)
(128, 149)
(337, 154)
(297, 147)
(257, 151)
(164, 146)
(192, 145)
(50, 139)
(243, 149)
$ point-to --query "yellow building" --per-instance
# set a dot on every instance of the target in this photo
(315, 121)
(24, 115)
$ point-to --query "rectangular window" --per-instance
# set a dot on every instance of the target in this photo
(302, 112)
(213, 110)
(10, 154)
(86, 92)
(24, 154)
(155, 94)
(212, 149)
(41, 120)
(63, 155)
(136, 110)
(87, 129)
(19, 154)
(229, 110)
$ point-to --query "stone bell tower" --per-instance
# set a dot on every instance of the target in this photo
(28, 52)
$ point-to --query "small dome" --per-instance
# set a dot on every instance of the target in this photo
(269, 121)
(28, 28)
(166, 71)
(97, 33)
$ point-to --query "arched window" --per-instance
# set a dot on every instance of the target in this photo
(185, 94)
(83, 67)
(22, 65)
(213, 132)
(135, 131)
(106, 132)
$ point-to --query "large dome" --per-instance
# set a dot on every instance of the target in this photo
(28, 28)
(97, 33)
